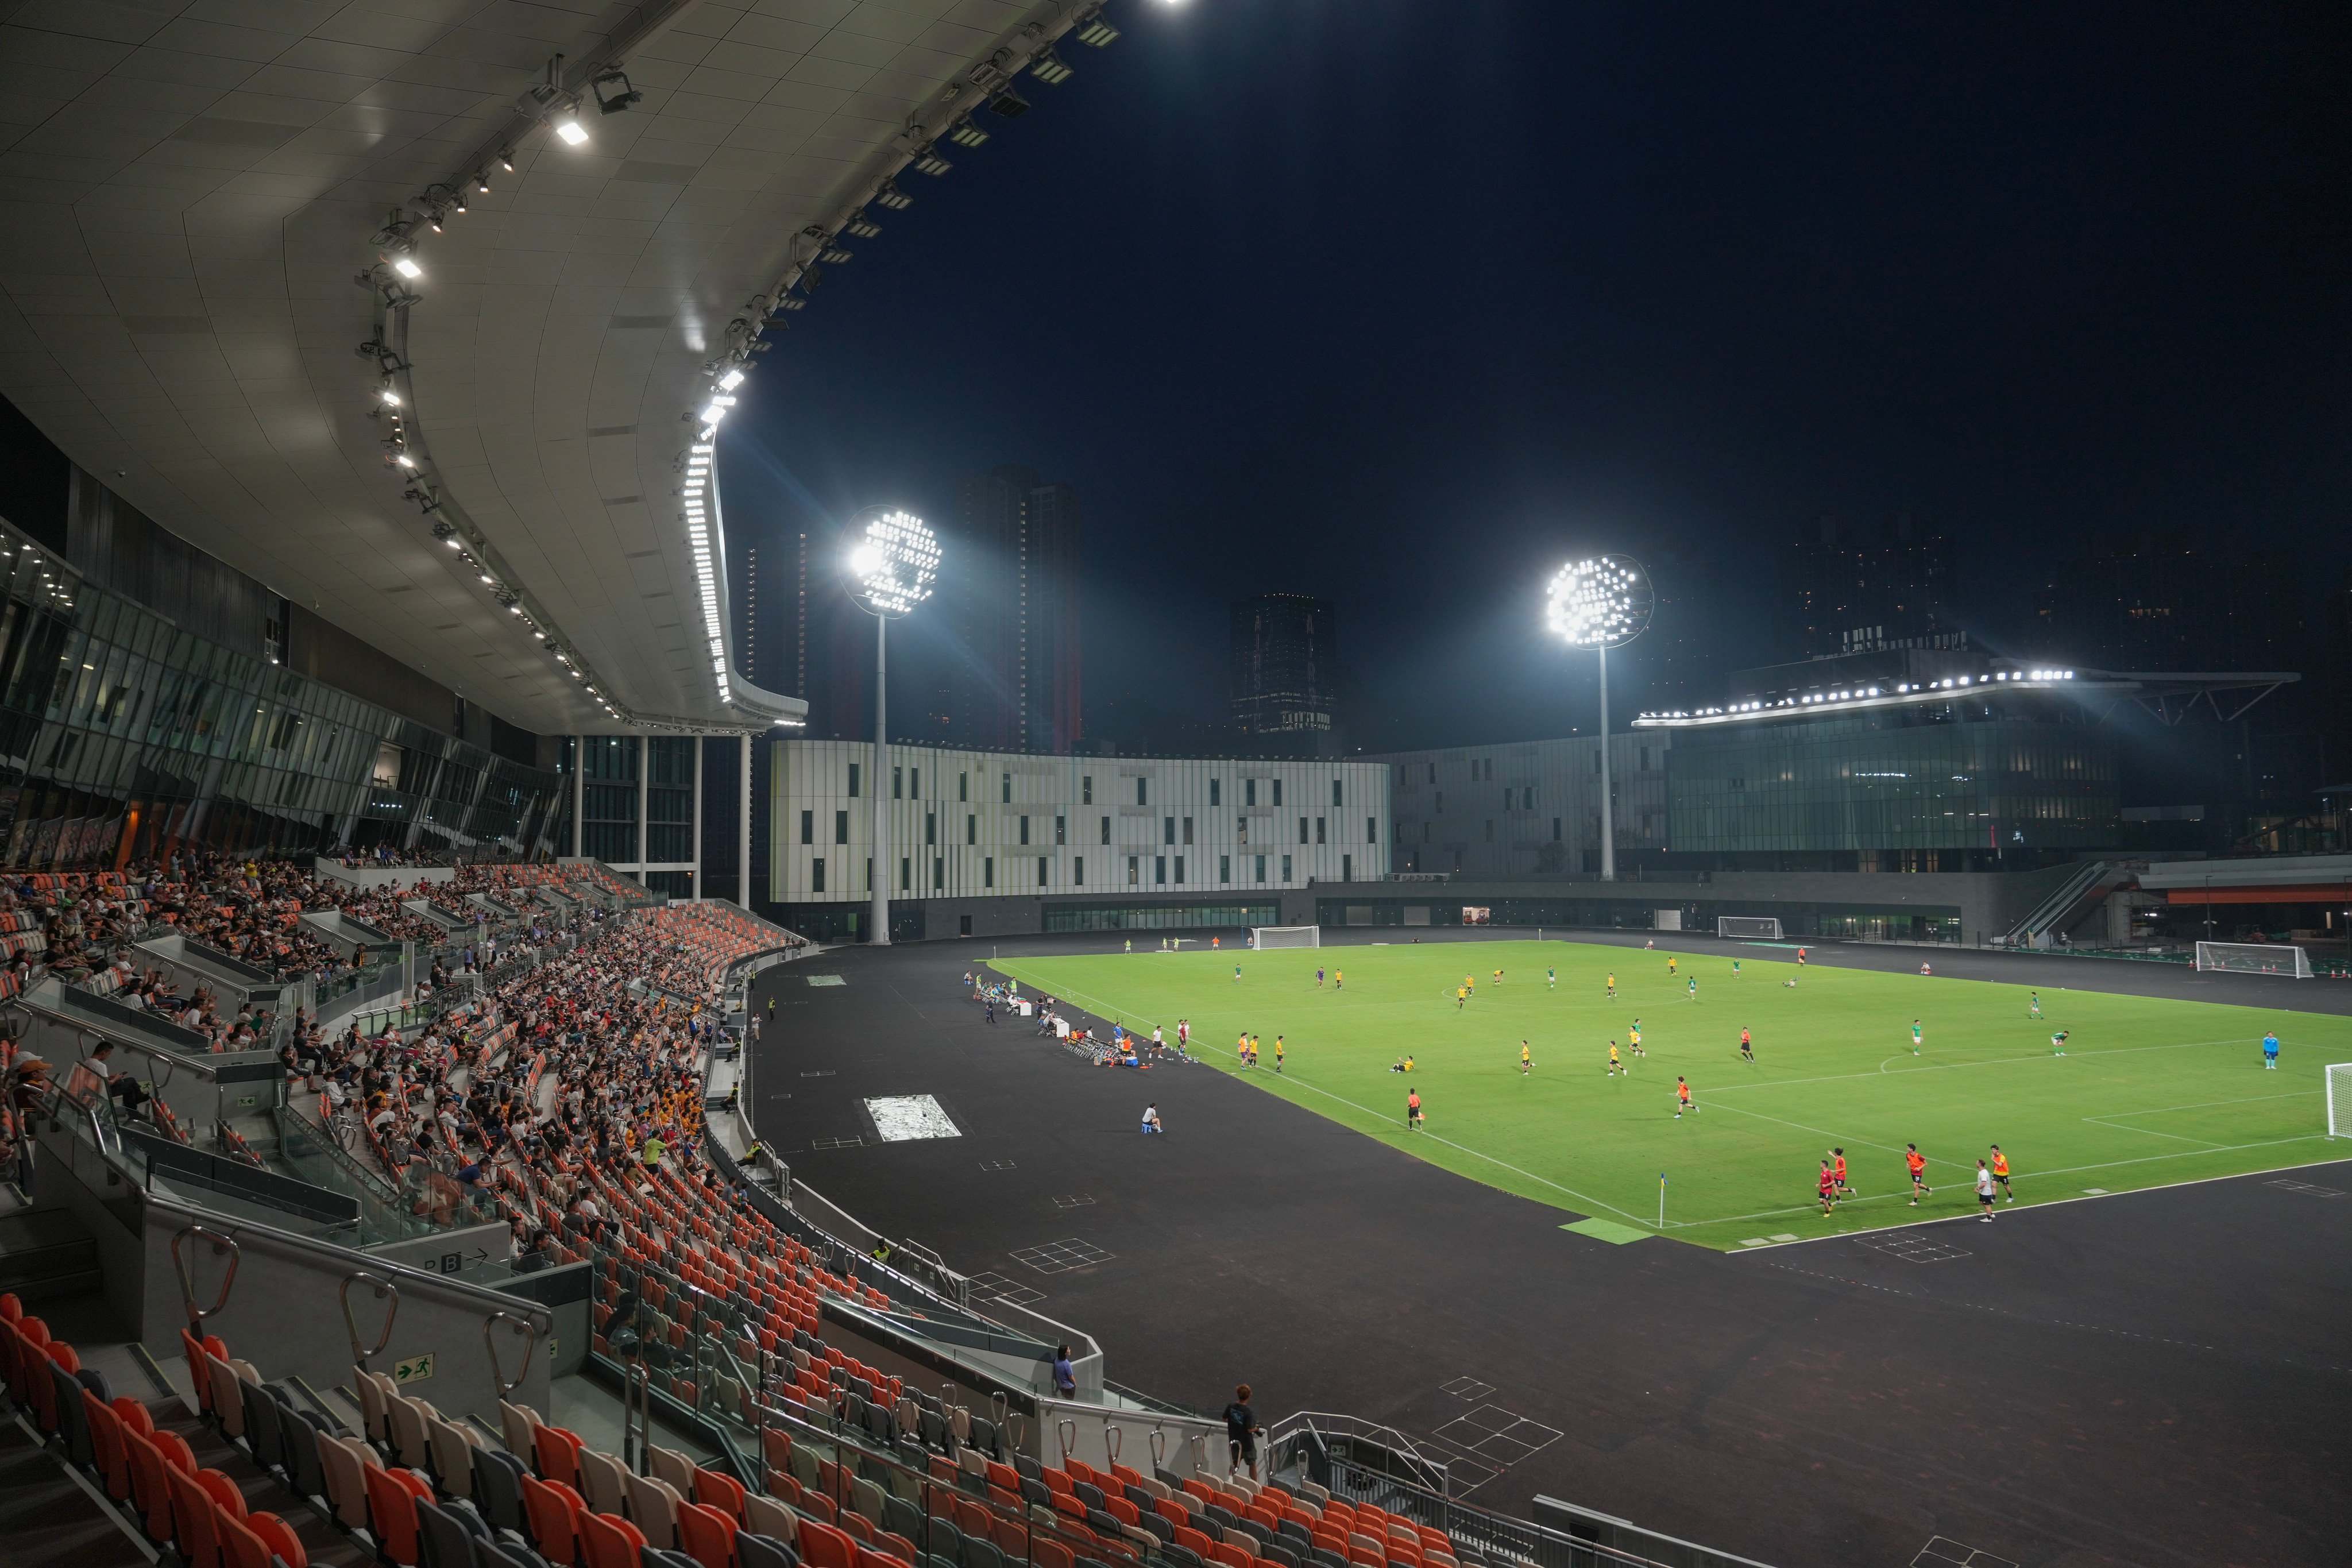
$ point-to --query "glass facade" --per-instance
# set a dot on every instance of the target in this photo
(670, 799)
(1962, 776)
(608, 798)
(122, 736)
(1159, 917)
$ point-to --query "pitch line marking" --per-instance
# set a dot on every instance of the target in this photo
(1378, 1116)
(2149, 1132)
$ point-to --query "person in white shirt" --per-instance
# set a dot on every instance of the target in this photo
(1152, 1118)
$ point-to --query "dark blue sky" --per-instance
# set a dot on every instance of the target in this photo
(1400, 303)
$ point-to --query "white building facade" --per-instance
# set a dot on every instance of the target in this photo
(1523, 808)
(1084, 838)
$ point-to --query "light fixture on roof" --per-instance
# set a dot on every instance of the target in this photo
(731, 379)
(1008, 104)
(1091, 30)
(406, 267)
(862, 227)
(833, 254)
(569, 127)
(964, 134)
(891, 196)
(614, 91)
(506, 158)
(930, 162)
(1049, 69)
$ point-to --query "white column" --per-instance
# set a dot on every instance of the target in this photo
(579, 796)
(743, 830)
(880, 915)
(1608, 827)
(694, 815)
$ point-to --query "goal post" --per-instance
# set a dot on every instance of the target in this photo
(2339, 1100)
(1286, 936)
(1754, 928)
(2254, 958)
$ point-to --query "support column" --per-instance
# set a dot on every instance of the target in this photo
(743, 830)
(697, 817)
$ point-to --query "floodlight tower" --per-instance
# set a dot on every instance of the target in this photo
(891, 569)
(1600, 603)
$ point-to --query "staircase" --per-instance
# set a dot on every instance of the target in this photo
(2072, 899)
(45, 1253)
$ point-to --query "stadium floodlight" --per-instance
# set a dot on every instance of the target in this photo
(1049, 69)
(892, 568)
(1602, 602)
(891, 196)
(964, 134)
(570, 129)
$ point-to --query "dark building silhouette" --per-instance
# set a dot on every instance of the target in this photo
(1014, 680)
(1284, 665)
(2161, 603)
(1854, 588)
(1680, 656)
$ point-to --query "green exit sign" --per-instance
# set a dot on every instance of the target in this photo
(414, 1369)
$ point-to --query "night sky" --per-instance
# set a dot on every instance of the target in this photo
(1402, 303)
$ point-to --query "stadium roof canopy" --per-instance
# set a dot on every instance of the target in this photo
(233, 232)
(2170, 695)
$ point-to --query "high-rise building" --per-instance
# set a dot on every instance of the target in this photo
(1679, 657)
(1010, 576)
(2161, 602)
(1284, 664)
(1859, 588)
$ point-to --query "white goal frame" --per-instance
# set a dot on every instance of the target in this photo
(1765, 927)
(1307, 936)
(2254, 958)
(2339, 1107)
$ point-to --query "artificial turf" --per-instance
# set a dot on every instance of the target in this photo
(2150, 1092)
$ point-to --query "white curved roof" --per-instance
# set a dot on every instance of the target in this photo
(189, 192)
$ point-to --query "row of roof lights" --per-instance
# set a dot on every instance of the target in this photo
(1865, 693)
(729, 371)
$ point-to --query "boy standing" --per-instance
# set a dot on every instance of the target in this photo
(1918, 1163)
(2000, 1174)
(1747, 1046)
(1984, 1190)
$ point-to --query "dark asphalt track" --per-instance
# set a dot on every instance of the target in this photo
(2161, 1378)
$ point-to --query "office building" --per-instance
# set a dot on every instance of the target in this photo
(1079, 843)
(1284, 663)
(1850, 587)
(1010, 596)
(1525, 808)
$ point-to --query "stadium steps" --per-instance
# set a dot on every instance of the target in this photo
(45, 1254)
(2071, 901)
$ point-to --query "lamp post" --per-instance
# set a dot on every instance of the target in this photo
(891, 569)
(1600, 603)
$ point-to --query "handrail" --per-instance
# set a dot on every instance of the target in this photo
(383, 1289)
(185, 1267)
(498, 1379)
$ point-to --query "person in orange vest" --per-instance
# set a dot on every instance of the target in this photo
(1918, 1167)
(1837, 1166)
(1412, 1110)
(2000, 1175)
(1683, 1097)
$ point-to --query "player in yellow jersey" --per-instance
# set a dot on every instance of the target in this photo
(1613, 986)
(1670, 961)
(1616, 1066)
(1527, 1059)
(1634, 1039)
(1498, 977)
(1461, 995)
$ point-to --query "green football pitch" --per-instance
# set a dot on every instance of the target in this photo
(2150, 1092)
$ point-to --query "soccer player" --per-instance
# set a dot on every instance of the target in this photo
(1837, 1166)
(1527, 1060)
(1984, 1190)
(1338, 979)
(1735, 969)
(1634, 1039)
(2034, 1005)
(1551, 979)
(1829, 1189)
(1240, 1047)
(1237, 974)
(1412, 1110)
(1614, 1065)
(2058, 1042)
(1318, 977)
(1693, 988)
(1277, 1053)
(2270, 1050)
(1253, 1051)
(1800, 958)
(1469, 985)
(1918, 1164)
(1461, 995)
(1613, 986)
(1670, 961)
(1916, 1037)
(1498, 977)
(2000, 1175)
(1747, 1046)
(1184, 1035)
(1683, 1097)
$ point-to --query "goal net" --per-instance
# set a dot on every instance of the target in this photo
(2339, 1100)
(1766, 928)
(1286, 936)
(2254, 958)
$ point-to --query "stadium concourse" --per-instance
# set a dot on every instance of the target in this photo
(2158, 1377)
